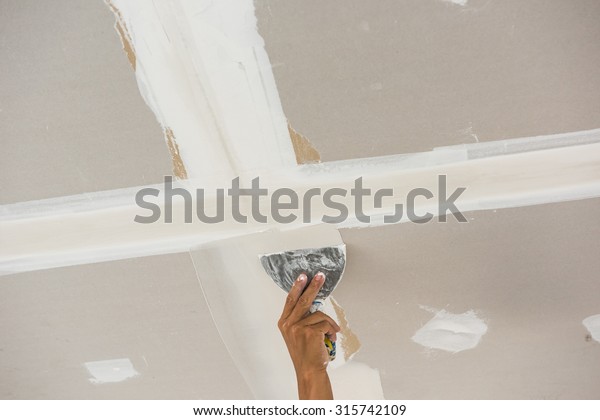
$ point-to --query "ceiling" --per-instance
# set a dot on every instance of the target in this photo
(72, 117)
(367, 79)
(358, 80)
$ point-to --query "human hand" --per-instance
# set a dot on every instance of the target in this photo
(304, 335)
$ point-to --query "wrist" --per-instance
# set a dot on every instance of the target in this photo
(314, 385)
(309, 375)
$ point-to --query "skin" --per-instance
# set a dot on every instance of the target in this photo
(304, 333)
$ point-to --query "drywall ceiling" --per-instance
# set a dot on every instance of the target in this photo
(530, 273)
(148, 310)
(491, 69)
(365, 78)
(71, 113)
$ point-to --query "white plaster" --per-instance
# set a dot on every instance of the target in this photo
(355, 381)
(451, 332)
(457, 2)
(203, 70)
(59, 236)
(592, 323)
(110, 371)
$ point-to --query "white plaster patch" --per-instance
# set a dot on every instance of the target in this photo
(451, 332)
(458, 2)
(108, 371)
(592, 323)
(356, 381)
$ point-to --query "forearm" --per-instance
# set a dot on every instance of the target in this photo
(314, 386)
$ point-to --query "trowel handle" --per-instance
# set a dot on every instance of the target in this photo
(329, 345)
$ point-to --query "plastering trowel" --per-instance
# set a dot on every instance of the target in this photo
(285, 267)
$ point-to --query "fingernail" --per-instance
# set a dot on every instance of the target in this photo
(301, 278)
(320, 276)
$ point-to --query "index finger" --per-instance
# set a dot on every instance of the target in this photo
(293, 295)
(307, 297)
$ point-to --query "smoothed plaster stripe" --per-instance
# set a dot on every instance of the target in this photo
(108, 233)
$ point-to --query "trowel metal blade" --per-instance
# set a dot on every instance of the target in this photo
(285, 267)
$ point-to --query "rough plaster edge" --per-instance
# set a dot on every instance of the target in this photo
(178, 165)
(303, 148)
(123, 33)
(349, 341)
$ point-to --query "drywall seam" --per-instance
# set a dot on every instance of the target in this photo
(458, 154)
(177, 100)
(103, 232)
(525, 144)
(202, 69)
(457, 2)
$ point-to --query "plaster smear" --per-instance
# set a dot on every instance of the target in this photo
(110, 371)
(356, 381)
(451, 332)
(592, 323)
(458, 2)
(99, 226)
(202, 68)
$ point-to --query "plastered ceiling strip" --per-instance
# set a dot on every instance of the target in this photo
(444, 155)
(31, 241)
(202, 68)
(525, 144)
